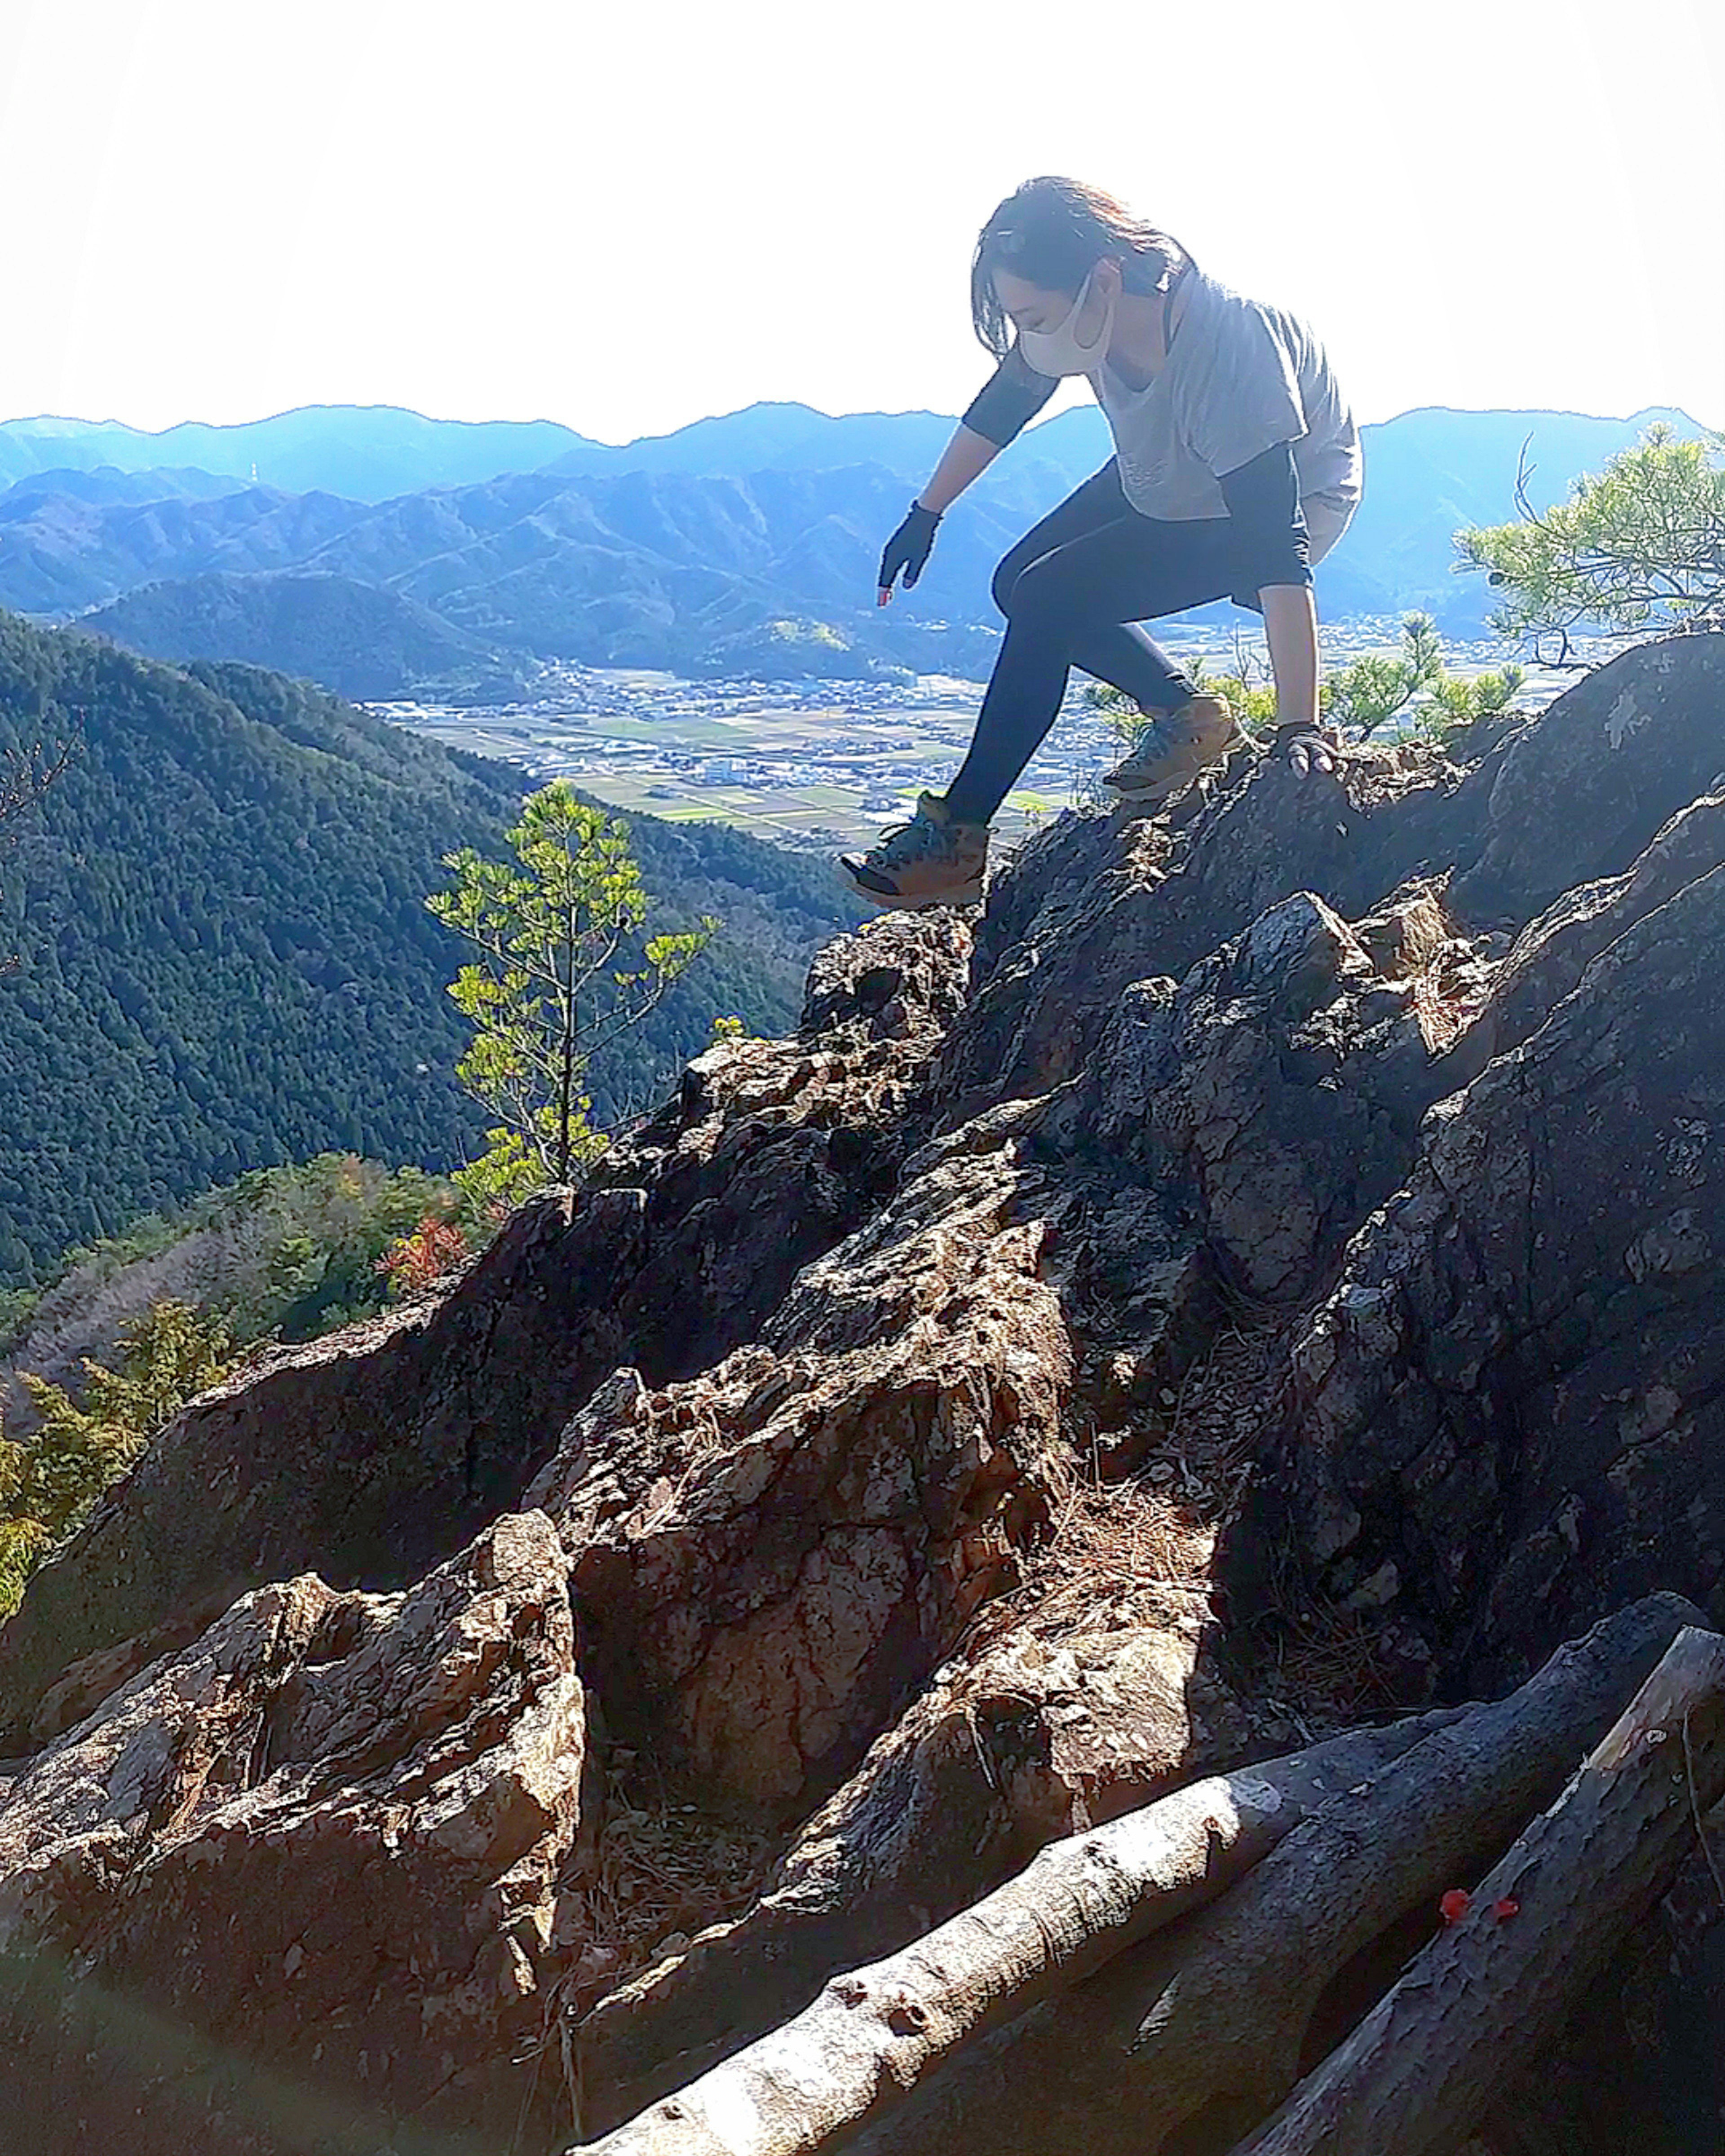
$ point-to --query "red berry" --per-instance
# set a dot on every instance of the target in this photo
(1505, 1909)
(1454, 1905)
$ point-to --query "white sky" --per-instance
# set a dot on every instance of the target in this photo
(625, 216)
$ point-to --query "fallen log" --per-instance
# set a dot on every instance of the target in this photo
(1496, 1986)
(877, 2034)
(1199, 2030)
(873, 2033)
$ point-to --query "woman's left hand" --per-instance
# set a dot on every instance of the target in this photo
(1306, 750)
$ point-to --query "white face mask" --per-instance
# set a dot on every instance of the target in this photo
(1059, 351)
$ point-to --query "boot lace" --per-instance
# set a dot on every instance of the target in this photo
(906, 843)
(1158, 741)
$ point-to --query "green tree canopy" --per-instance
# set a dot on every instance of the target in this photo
(50, 1480)
(1640, 546)
(547, 992)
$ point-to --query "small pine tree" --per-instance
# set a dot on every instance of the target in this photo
(546, 993)
(1371, 691)
(1640, 546)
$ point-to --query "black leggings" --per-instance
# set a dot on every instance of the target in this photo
(1073, 590)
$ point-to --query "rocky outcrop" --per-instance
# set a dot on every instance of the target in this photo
(837, 1478)
(331, 1834)
(1508, 1409)
(371, 1454)
(1580, 795)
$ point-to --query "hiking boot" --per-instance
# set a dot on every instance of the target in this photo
(1175, 747)
(929, 861)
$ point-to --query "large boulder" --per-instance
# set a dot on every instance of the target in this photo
(1507, 1413)
(775, 1555)
(332, 1836)
(372, 1454)
(1579, 793)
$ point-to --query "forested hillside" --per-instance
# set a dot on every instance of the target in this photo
(221, 955)
(356, 639)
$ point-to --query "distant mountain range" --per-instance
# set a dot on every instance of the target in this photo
(368, 452)
(743, 543)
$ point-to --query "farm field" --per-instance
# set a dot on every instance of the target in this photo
(808, 772)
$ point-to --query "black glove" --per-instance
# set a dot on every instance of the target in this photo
(907, 549)
(1306, 750)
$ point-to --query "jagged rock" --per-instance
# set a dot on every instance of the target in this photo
(372, 1454)
(908, 975)
(1092, 906)
(1508, 1411)
(328, 1836)
(775, 1555)
(999, 1756)
(796, 1385)
(772, 1556)
(1255, 1076)
(1578, 794)
(1549, 957)
(1531, 809)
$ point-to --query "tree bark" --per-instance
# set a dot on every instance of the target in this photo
(1200, 2028)
(875, 2033)
(1209, 2017)
(1492, 1989)
(977, 1777)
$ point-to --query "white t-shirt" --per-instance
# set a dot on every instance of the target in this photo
(1239, 378)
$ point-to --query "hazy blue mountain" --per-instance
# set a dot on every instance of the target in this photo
(354, 639)
(1428, 472)
(641, 569)
(773, 438)
(368, 452)
(650, 564)
(107, 484)
(60, 554)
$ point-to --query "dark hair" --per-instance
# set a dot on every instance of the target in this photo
(1052, 233)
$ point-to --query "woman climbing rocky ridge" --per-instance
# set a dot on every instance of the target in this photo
(1261, 1281)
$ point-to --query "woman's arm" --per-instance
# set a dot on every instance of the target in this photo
(965, 457)
(1291, 629)
(1000, 412)
(1263, 500)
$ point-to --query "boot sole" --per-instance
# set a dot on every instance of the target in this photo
(966, 894)
(1163, 787)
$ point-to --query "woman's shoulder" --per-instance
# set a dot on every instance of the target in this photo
(1226, 309)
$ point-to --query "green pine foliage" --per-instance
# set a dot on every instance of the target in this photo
(50, 1479)
(1412, 685)
(1639, 545)
(221, 959)
(562, 971)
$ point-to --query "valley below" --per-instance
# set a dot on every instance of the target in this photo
(815, 764)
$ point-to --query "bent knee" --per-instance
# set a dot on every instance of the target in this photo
(1005, 579)
(1036, 590)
